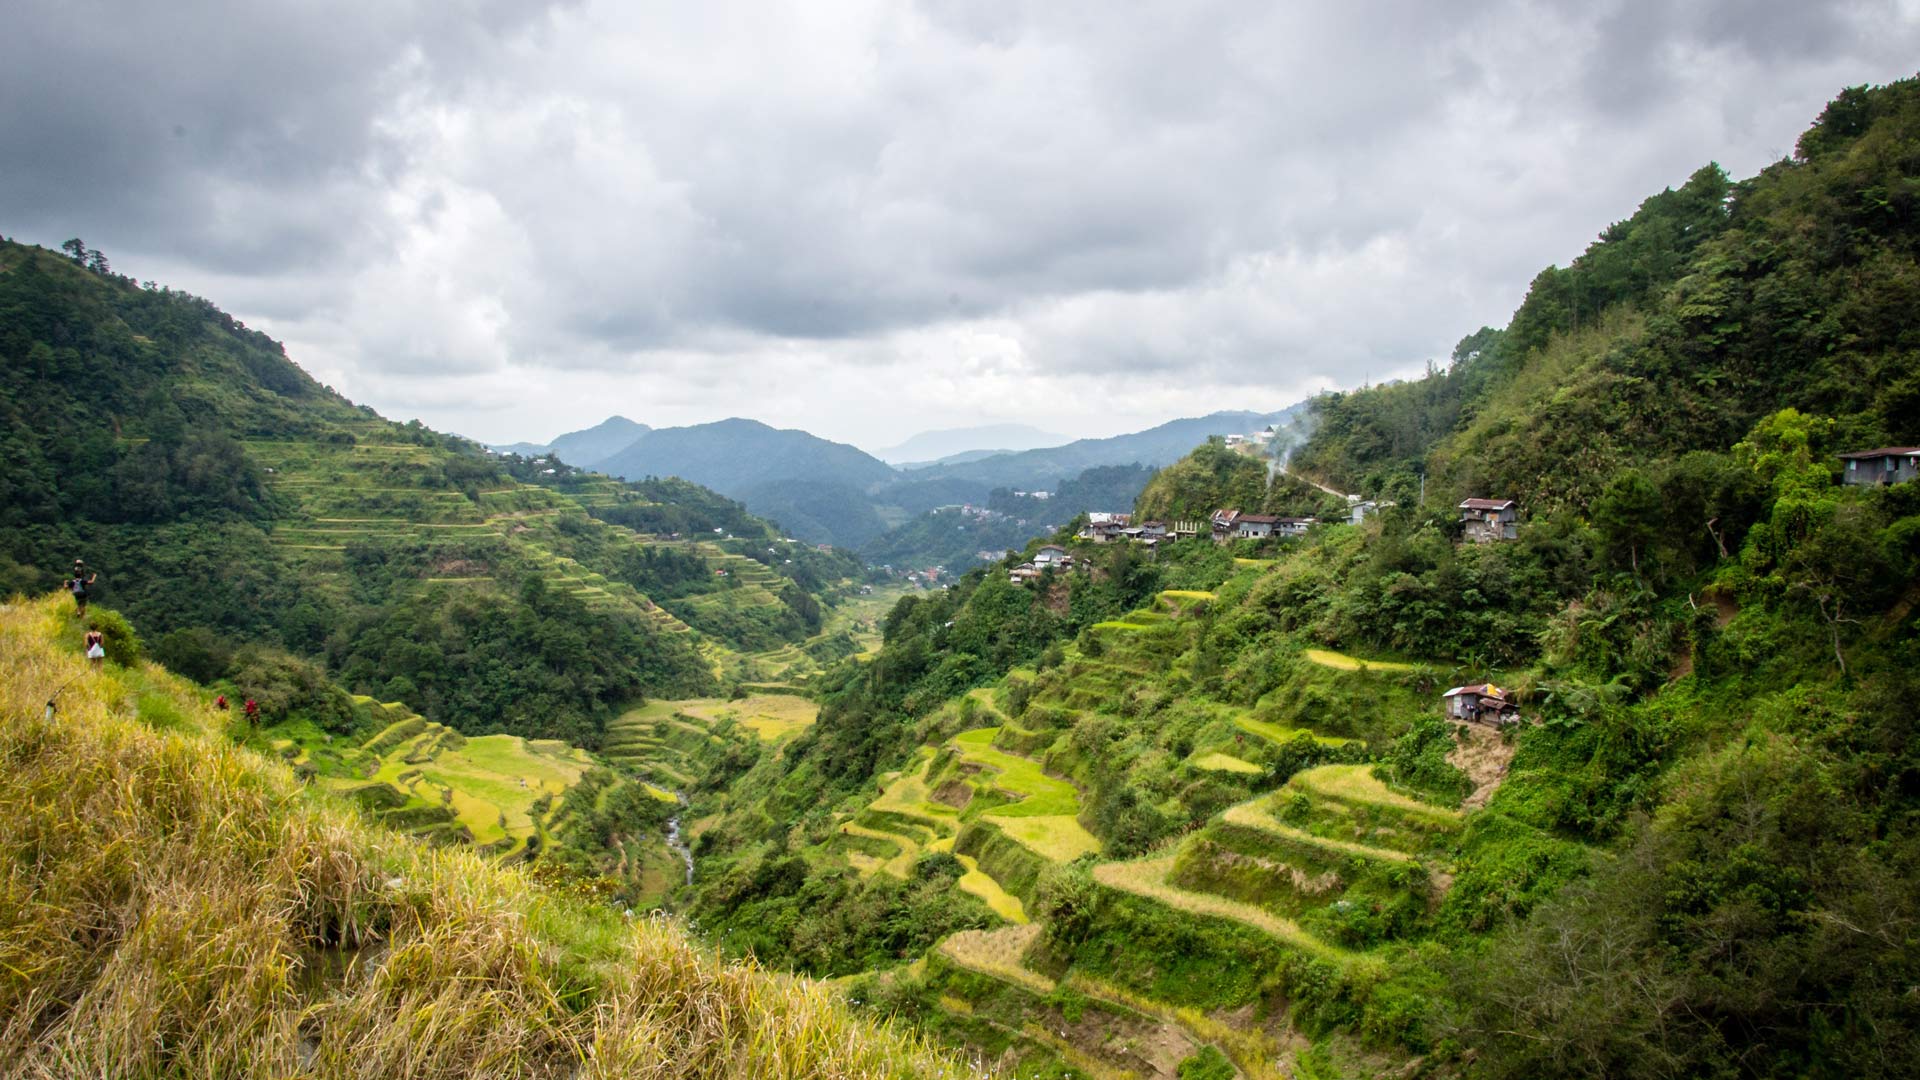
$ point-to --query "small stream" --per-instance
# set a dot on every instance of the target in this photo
(674, 841)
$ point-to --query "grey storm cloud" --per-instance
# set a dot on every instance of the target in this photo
(677, 200)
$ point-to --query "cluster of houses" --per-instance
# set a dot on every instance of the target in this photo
(1252, 438)
(1482, 521)
(1106, 528)
(1233, 525)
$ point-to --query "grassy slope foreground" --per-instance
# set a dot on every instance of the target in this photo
(173, 905)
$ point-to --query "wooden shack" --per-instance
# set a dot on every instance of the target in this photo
(1486, 520)
(1482, 703)
(1887, 465)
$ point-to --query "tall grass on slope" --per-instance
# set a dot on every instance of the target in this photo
(171, 905)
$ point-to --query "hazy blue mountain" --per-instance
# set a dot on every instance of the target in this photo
(582, 449)
(586, 449)
(1155, 446)
(932, 447)
(524, 449)
(766, 467)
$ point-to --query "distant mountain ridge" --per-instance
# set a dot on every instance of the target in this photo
(1156, 446)
(582, 449)
(935, 447)
(827, 492)
(784, 471)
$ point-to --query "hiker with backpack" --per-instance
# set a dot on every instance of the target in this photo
(96, 646)
(79, 583)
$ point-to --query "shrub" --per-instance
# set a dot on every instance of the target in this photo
(122, 646)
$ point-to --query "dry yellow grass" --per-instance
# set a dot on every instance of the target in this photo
(171, 905)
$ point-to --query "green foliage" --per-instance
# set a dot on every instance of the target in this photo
(118, 639)
(1418, 760)
(1207, 1064)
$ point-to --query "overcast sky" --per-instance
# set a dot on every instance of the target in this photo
(870, 219)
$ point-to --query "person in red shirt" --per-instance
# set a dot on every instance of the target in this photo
(253, 711)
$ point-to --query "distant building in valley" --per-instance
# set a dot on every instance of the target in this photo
(1051, 555)
(1887, 465)
(1487, 520)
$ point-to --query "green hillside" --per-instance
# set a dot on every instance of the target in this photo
(1203, 811)
(236, 508)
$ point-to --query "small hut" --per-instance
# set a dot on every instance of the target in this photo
(1482, 703)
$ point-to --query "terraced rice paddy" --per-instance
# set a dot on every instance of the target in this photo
(979, 883)
(1254, 815)
(1357, 784)
(997, 953)
(488, 785)
(1046, 816)
(1218, 762)
(1343, 662)
(1148, 878)
(1276, 733)
(771, 717)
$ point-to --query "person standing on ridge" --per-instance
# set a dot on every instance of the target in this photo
(80, 582)
(253, 712)
(96, 646)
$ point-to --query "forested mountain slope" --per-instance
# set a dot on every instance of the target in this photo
(237, 509)
(816, 489)
(1203, 813)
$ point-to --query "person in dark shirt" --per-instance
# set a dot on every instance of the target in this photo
(79, 584)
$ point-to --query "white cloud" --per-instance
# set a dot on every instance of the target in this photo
(869, 218)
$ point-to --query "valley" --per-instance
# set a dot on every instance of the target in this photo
(1577, 740)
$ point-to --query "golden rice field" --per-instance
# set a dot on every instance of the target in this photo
(771, 717)
(997, 953)
(1356, 783)
(1219, 762)
(981, 884)
(1343, 662)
